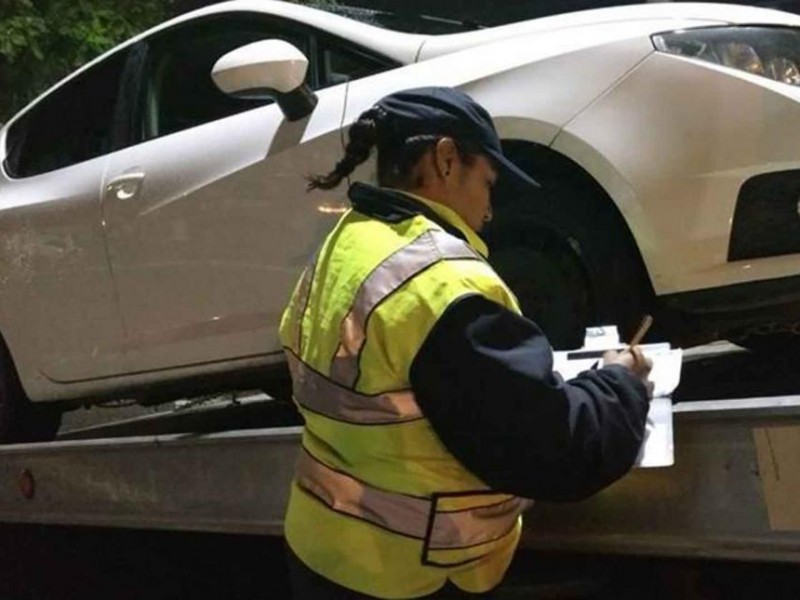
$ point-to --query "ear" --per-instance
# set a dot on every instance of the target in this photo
(445, 155)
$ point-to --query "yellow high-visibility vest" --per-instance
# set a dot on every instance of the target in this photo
(378, 504)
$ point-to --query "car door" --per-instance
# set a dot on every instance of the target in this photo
(59, 312)
(207, 218)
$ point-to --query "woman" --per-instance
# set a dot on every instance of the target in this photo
(430, 402)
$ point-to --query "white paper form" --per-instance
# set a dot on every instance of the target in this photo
(658, 449)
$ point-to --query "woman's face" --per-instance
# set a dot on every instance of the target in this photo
(463, 185)
(473, 191)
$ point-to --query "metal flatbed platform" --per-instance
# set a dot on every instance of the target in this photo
(728, 496)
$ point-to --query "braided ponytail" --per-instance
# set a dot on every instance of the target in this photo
(362, 137)
(397, 157)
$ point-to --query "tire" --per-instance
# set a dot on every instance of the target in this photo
(20, 419)
(567, 254)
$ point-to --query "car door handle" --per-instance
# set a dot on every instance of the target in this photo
(126, 186)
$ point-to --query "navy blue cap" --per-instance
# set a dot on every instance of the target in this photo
(450, 112)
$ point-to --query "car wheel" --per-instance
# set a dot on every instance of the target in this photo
(567, 254)
(549, 281)
(20, 419)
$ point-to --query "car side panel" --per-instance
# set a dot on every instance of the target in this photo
(206, 255)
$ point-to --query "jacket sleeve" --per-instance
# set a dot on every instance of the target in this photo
(484, 379)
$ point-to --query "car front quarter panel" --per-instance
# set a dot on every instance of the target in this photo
(673, 143)
(532, 86)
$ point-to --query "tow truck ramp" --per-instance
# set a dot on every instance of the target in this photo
(733, 492)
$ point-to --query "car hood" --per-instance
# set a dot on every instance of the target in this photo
(661, 16)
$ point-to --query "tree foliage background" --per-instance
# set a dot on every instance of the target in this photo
(41, 41)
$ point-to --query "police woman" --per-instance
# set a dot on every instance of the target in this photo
(432, 411)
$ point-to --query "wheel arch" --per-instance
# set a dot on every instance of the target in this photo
(7, 360)
(17, 354)
(547, 164)
(578, 263)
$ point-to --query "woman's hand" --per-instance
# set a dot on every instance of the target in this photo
(635, 361)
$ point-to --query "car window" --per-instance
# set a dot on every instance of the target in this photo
(339, 63)
(179, 92)
(71, 125)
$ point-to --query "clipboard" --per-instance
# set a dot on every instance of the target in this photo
(658, 447)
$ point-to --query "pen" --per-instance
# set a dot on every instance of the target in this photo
(647, 321)
(644, 326)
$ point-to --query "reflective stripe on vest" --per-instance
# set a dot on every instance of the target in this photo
(410, 516)
(300, 303)
(323, 396)
(426, 250)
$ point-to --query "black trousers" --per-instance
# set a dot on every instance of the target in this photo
(308, 585)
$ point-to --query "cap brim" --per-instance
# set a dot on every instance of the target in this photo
(511, 174)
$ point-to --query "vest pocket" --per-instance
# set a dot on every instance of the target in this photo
(465, 527)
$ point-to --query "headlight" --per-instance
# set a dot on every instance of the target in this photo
(772, 52)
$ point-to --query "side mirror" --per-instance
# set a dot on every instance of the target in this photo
(272, 66)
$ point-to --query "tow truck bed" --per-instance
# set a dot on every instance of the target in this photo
(724, 498)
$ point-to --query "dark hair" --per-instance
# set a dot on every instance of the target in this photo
(396, 158)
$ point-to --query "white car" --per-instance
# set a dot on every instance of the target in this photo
(152, 225)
